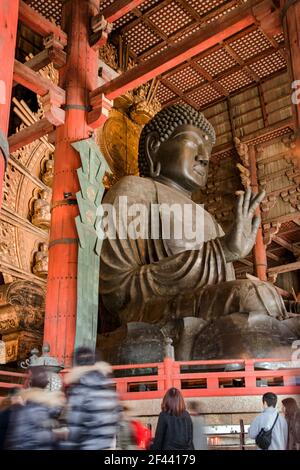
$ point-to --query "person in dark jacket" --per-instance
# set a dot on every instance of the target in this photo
(93, 407)
(174, 429)
(292, 415)
(33, 426)
(7, 405)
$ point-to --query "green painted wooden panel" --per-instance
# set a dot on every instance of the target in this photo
(89, 198)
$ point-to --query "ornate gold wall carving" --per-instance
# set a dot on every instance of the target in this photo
(21, 319)
(118, 140)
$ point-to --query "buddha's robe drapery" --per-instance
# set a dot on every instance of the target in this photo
(156, 280)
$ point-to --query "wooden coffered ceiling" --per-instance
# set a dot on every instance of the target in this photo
(245, 59)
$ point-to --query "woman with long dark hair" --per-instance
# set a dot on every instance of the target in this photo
(292, 415)
(174, 428)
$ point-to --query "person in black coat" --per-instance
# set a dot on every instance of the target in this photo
(33, 426)
(174, 429)
(93, 407)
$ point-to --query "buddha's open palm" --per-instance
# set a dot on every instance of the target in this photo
(239, 241)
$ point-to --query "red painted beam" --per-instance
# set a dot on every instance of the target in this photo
(119, 8)
(29, 134)
(39, 23)
(35, 82)
(199, 42)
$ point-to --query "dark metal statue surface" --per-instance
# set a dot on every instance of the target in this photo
(186, 287)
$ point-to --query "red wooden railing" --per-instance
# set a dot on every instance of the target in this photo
(152, 380)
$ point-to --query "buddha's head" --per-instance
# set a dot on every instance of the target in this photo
(176, 145)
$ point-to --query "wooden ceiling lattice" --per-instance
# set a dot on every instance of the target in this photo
(217, 63)
(236, 81)
(123, 20)
(50, 9)
(206, 6)
(204, 95)
(164, 94)
(170, 20)
(269, 65)
(250, 44)
(141, 37)
(185, 79)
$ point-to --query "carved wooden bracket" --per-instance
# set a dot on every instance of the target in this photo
(270, 230)
(56, 54)
(100, 28)
(289, 140)
(100, 110)
(51, 103)
(243, 152)
(272, 277)
(268, 203)
(292, 196)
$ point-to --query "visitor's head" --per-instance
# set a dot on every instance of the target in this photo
(38, 377)
(269, 400)
(84, 356)
(289, 407)
(176, 145)
(173, 402)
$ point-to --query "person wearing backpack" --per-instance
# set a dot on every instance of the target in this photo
(269, 429)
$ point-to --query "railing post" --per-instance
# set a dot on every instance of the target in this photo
(168, 365)
(161, 376)
(250, 381)
(212, 382)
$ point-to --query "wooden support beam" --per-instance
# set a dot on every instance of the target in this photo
(45, 57)
(53, 97)
(273, 256)
(119, 8)
(280, 241)
(28, 135)
(285, 268)
(39, 24)
(178, 53)
(35, 82)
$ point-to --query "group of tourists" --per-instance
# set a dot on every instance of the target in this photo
(87, 415)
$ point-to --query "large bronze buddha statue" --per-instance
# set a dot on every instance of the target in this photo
(186, 286)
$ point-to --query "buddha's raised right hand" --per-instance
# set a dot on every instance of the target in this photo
(239, 241)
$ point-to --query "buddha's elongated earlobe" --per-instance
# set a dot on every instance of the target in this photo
(152, 145)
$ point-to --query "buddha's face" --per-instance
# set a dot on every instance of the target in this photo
(184, 157)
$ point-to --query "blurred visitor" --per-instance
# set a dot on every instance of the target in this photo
(92, 412)
(35, 425)
(126, 439)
